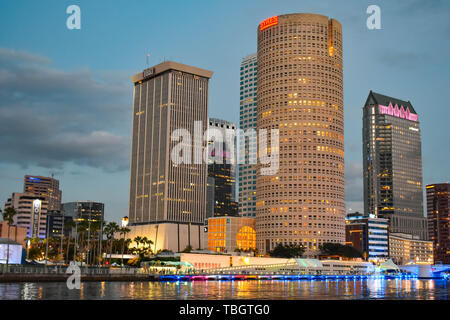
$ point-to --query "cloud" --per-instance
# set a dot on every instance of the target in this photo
(51, 118)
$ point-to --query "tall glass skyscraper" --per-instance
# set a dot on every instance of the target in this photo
(392, 163)
(247, 121)
(300, 92)
(221, 197)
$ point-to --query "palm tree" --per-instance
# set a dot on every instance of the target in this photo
(8, 216)
(110, 229)
(69, 224)
(144, 241)
(127, 244)
(149, 243)
(83, 228)
(95, 228)
(138, 240)
(123, 231)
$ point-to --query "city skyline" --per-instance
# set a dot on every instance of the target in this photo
(102, 116)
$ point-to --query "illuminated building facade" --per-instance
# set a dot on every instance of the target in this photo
(47, 187)
(15, 251)
(408, 248)
(88, 212)
(438, 215)
(223, 186)
(16, 233)
(247, 121)
(168, 200)
(55, 223)
(31, 213)
(368, 235)
(300, 92)
(226, 234)
(392, 164)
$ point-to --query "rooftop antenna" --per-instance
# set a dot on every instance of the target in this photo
(147, 58)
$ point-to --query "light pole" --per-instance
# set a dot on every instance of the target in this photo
(46, 239)
(76, 241)
(62, 236)
(89, 236)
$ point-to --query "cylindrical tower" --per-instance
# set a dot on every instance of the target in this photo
(300, 92)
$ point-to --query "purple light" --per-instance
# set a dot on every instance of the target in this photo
(398, 112)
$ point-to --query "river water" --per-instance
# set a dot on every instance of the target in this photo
(244, 289)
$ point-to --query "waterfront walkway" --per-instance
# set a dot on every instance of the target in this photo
(25, 273)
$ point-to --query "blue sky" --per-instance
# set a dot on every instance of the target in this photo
(65, 95)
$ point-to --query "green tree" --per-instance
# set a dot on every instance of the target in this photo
(110, 229)
(287, 251)
(123, 231)
(127, 244)
(138, 240)
(68, 225)
(187, 249)
(8, 216)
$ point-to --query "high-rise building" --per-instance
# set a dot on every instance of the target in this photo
(87, 212)
(168, 199)
(392, 164)
(247, 121)
(210, 191)
(300, 92)
(47, 187)
(438, 215)
(368, 235)
(223, 171)
(31, 213)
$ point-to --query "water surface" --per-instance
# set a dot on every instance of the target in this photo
(409, 289)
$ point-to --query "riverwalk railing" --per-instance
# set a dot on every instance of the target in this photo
(42, 269)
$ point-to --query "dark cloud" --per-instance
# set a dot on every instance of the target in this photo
(51, 117)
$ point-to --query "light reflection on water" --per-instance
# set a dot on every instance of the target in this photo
(216, 290)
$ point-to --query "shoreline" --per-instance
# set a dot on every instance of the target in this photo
(8, 278)
(17, 278)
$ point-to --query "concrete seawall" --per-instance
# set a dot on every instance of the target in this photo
(63, 277)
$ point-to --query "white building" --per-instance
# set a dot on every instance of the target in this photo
(15, 251)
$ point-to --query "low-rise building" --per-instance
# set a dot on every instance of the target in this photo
(407, 248)
(241, 264)
(17, 234)
(15, 251)
(229, 234)
(369, 235)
